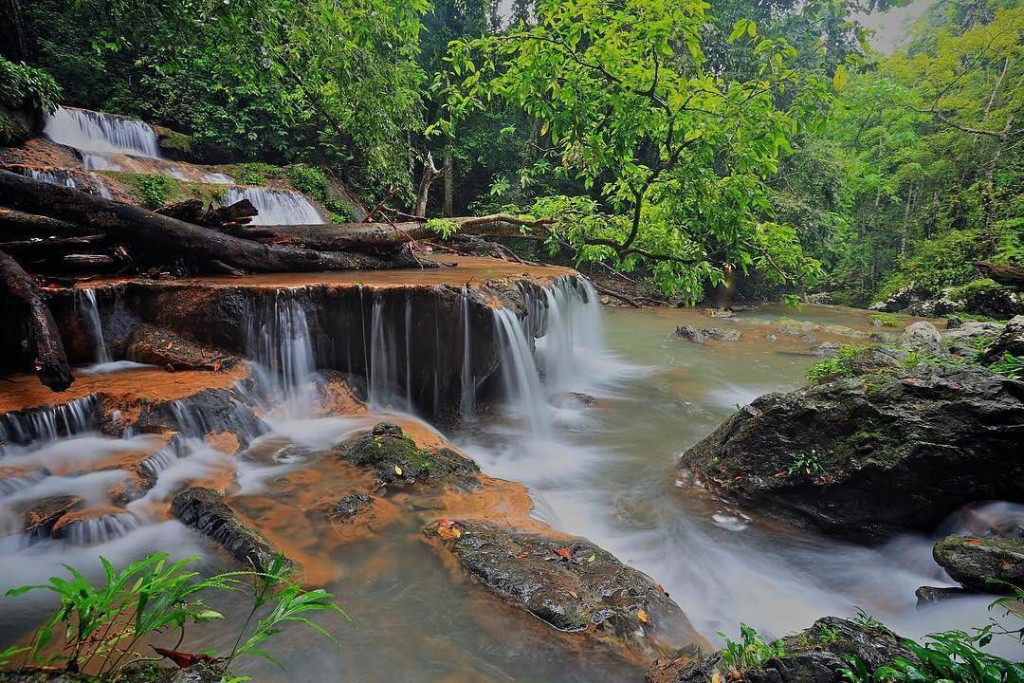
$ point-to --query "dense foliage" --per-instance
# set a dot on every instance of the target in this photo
(683, 140)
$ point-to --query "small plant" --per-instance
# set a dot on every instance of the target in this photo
(828, 635)
(308, 180)
(865, 620)
(886, 320)
(839, 365)
(809, 463)
(751, 652)
(98, 628)
(443, 227)
(1011, 366)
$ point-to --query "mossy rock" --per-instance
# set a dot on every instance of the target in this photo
(397, 460)
(983, 563)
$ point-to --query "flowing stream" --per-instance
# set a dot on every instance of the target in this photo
(604, 471)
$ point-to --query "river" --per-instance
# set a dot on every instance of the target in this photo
(605, 472)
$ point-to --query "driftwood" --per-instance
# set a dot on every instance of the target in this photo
(157, 240)
(1002, 273)
(430, 174)
(41, 341)
(193, 211)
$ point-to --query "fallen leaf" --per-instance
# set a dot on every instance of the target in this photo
(170, 345)
(563, 553)
(184, 660)
(641, 614)
(972, 541)
(447, 530)
(591, 558)
(398, 470)
(573, 594)
(216, 366)
(781, 474)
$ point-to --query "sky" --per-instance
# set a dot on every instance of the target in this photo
(891, 27)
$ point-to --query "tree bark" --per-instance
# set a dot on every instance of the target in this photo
(41, 341)
(1002, 273)
(449, 184)
(160, 240)
(14, 43)
(19, 224)
(430, 174)
(346, 236)
(192, 211)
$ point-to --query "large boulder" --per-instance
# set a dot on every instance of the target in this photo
(569, 583)
(870, 456)
(815, 655)
(976, 563)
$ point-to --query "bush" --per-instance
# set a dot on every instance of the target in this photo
(839, 365)
(23, 88)
(944, 261)
(153, 191)
(308, 180)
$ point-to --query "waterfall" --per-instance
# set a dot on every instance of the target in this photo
(100, 529)
(276, 207)
(90, 313)
(566, 320)
(467, 404)
(39, 426)
(91, 131)
(524, 392)
(64, 178)
(383, 368)
(572, 333)
(277, 337)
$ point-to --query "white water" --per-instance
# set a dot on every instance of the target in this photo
(607, 474)
(90, 131)
(64, 178)
(278, 339)
(90, 313)
(467, 403)
(276, 207)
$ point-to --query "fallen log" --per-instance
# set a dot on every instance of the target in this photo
(348, 236)
(44, 244)
(41, 342)
(1002, 273)
(160, 240)
(19, 224)
(193, 211)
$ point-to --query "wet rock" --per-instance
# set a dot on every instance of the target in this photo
(931, 595)
(815, 655)
(206, 511)
(163, 348)
(954, 322)
(146, 672)
(826, 349)
(701, 336)
(877, 359)
(887, 452)
(573, 400)
(397, 460)
(205, 412)
(923, 338)
(972, 331)
(350, 506)
(898, 300)
(976, 562)
(883, 338)
(42, 516)
(569, 583)
(1010, 341)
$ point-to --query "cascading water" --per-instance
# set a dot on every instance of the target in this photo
(278, 339)
(573, 336)
(43, 425)
(276, 207)
(384, 392)
(90, 131)
(101, 529)
(523, 389)
(467, 404)
(64, 178)
(90, 313)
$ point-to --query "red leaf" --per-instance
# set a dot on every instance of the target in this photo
(184, 660)
(563, 553)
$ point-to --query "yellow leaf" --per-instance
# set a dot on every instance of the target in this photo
(398, 470)
(641, 614)
(591, 558)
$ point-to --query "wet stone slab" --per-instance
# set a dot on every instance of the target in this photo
(569, 583)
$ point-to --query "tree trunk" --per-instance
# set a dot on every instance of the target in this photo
(41, 341)
(430, 174)
(449, 184)
(159, 240)
(14, 44)
(346, 236)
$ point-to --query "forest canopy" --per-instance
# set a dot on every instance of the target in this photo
(679, 141)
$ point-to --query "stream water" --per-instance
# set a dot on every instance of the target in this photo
(604, 471)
